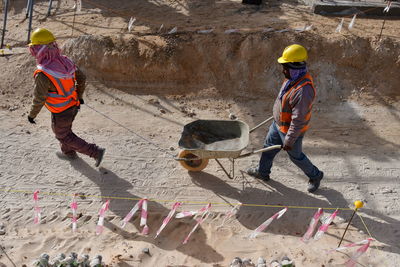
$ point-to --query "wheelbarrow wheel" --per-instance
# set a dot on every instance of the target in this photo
(192, 165)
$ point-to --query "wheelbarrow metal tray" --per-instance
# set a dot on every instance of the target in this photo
(215, 138)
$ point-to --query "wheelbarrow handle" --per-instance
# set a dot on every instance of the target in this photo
(265, 149)
(261, 124)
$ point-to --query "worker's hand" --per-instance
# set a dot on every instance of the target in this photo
(81, 101)
(286, 147)
(31, 120)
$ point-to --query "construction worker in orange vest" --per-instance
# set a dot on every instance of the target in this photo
(59, 85)
(292, 113)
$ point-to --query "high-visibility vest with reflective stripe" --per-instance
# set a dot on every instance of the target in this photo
(286, 109)
(65, 97)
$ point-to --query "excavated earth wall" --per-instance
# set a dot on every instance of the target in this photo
(236, 65)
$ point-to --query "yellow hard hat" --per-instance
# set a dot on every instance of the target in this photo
(42, 36)
(293, 53)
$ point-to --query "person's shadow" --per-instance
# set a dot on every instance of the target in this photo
(278, 194)
(173, 234)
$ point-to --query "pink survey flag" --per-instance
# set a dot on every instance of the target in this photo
(74, 207)
(203, 217)
(168, 218)
(324, 227)
(265, 224)
(102, 214)
(184, 214)
(313, 224)
(364, 245)
(141, 204)
(36, 208)
(230, 213)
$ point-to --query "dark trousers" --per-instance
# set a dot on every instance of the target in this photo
(296, 155)
(61, 123)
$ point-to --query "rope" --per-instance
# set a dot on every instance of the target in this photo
(132, 132)
(168, 201)
(366, 228)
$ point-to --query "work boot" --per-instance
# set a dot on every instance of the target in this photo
(99, 156)
(254, 172)
(313, 184)
(67, 156)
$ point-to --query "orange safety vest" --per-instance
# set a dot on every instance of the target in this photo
(286, 110)
(65, 97)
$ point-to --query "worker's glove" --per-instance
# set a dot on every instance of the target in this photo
(286, 147)
(31, 120)
(81, 101)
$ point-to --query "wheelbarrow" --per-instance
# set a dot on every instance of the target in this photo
(202, 140)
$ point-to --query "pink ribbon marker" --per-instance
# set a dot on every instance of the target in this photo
(143, 218)
(102, 213)
(184, 214)
(74, 207)
(168, 218)
(205, 212)
(313, 224)
(230, 213)
(36, 208)
(324, 227)
(131, 213)
(360, 251)
(265, 224)
(200, 220)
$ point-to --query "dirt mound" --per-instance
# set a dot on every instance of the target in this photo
(236, 64)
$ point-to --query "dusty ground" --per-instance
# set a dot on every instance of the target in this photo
(149, 82)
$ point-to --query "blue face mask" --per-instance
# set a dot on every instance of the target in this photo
(295, 74)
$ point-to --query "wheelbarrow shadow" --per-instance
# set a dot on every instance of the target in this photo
(110, 184)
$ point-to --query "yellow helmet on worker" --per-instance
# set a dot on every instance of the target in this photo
(293, 53)
(41, 36)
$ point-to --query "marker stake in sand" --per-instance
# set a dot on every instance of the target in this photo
(74, 207)
(102, 213)
(36, 208)
(168, 218)
(230, 213)
(265, 224)
(387, 8)
(357, 205)
(203, 217)
(360, 251)
(184, 214)
(143, 218)
(174, 30)
(339, 27)
(131, 213)
(130, 23)
(142, 204)
(352, 22)
(324, 227)
(313, 224)
(199, 221)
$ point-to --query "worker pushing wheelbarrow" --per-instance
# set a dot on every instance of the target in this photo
(202, 140)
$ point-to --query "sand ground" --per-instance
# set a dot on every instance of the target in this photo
(354, 139)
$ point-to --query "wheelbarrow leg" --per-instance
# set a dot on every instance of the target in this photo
(233, 167)
(222, 167)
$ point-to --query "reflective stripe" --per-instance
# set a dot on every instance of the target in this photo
(55, 95)
(63, 89)
(60, 104)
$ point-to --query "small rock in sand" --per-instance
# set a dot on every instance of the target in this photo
(237, 262)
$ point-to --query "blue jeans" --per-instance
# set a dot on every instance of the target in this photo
(276, 137)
